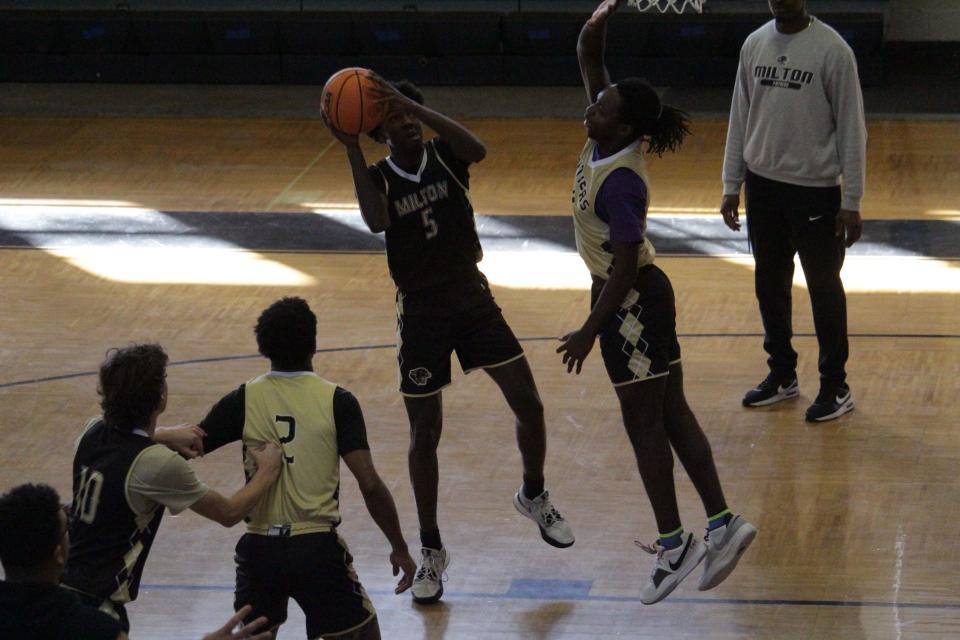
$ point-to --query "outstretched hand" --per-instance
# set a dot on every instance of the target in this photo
(230, 632)
(575, 347)
(402, 561)
(604, 11)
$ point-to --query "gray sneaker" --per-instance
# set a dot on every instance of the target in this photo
(725, 545)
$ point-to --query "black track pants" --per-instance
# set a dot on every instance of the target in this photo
(782, 221)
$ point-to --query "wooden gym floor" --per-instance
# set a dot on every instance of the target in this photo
(859, 519)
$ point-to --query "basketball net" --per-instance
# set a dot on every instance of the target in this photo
(663, 6)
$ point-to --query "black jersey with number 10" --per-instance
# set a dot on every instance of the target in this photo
(432, 237)
(109, 543)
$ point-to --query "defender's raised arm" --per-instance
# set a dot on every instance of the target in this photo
(590, 47)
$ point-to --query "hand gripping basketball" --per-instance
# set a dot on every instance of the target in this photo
(349, 101)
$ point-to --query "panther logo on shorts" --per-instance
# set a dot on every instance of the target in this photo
(420, 376)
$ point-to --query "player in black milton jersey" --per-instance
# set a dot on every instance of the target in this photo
(419, 196)
(125, 476)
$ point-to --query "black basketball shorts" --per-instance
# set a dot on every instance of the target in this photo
(640, 341)
(315, 569)
(462, 317)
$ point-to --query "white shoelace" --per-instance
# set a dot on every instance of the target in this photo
(653, 549)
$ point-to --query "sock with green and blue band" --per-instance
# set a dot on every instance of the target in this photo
(672, 540)
(719, 520)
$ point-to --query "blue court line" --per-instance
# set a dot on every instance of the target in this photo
(572, 597)
(180, 363)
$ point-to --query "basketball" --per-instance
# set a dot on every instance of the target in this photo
(349, 103)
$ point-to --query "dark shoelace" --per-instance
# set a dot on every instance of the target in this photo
(429, 568)
(551, 516)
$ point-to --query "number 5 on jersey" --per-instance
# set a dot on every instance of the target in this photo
(429, 224)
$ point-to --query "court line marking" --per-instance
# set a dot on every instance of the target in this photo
(180, 363)
(480, 595)
(309, 166)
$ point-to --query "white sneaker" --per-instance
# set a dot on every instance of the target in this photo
(553, 528)
(725, 545)
(428, 583)
(671, 567)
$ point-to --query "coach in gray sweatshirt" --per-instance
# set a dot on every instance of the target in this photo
(796, 134)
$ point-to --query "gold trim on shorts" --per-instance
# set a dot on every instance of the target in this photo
(425, 395)
(644, 379)
(494, 366)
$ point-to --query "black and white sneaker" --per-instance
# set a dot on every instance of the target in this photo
(554, 529)
(671, 567)
(428, 583)
(773, 389)
(830, 404)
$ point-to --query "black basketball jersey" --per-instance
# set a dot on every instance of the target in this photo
(109, 542)
(432, 237)
(35, 611)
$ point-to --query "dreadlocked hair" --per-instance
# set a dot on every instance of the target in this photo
(662, 127)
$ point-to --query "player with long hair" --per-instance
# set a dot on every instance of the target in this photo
(633, 312)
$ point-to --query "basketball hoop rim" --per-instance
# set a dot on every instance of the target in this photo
(678, 6)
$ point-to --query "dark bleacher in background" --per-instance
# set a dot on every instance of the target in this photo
(432, 42)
